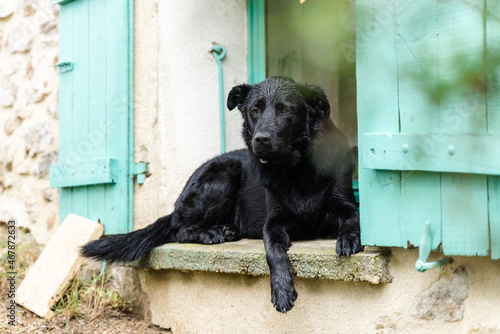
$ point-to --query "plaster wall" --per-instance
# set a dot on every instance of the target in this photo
(198, 302)
(177, 122)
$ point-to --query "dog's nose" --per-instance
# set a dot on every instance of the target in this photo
(262, 137)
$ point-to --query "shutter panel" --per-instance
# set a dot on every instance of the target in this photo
(95, 112)
(422, 157)
(377, 109)
(493, 57)
(256, 41)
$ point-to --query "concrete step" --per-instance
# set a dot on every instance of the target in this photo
(309, 259)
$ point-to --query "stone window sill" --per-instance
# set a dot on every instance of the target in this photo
(309, 259)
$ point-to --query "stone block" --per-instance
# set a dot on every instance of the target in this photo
(20, 36)
(7, 95)
(30, 203)
(41, 170)
(57, 265)
(37, 138)
(445, 299)
(6, 9)
(37, 84)
(49, 194)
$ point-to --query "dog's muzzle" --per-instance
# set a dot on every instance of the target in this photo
(261, 142)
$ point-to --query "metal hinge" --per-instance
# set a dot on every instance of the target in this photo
(140, 170)
(60, 2)
(64, 66)
(424, 249)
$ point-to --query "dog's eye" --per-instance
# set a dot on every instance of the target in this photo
(254, 111)
(286, 111)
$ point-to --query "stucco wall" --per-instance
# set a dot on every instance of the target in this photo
(176, 105)
(459, 298)
(28, 114)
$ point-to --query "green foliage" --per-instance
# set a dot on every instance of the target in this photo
(90, 299)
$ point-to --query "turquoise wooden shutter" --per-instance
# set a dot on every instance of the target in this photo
(256, 41)
(426, 151)
(95, 112)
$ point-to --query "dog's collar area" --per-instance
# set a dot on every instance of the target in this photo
(263, 161)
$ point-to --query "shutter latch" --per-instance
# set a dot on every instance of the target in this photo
(424, 249)
(140, 170)
(64, 66)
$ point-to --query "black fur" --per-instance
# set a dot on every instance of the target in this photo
(293, 182)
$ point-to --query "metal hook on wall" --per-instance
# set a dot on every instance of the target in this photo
(219, 53)
(424, 249)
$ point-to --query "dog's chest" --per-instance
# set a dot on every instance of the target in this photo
(303, 198)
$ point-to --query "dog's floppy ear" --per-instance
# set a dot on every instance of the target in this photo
(237, 96)
(316, 98)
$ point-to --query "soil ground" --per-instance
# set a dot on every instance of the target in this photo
(88, 307)
(109, 322)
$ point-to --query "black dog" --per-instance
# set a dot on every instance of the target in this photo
(293, 182)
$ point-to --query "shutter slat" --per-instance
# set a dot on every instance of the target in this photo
(79, 128)
(97, 111)
(66, 18)
(461, 32)
(377, 109)
(117, 115)
(465, 215)
(493, 58)
(417, 52)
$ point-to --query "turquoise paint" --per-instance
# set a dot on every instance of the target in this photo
(83, 173)
(103, 268)
(219, 53)
(425, 250)
(140, 170)
(465, 214)
(377, 105)
(421, 160)
(131, 166)
(464, 196)
(417, 114)
(256, 41)
(493, 107)
(96, 110)
(436, 152)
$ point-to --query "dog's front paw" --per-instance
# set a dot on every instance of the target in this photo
(283, 297)
(348, 244)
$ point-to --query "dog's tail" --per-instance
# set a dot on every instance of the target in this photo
(131, 246)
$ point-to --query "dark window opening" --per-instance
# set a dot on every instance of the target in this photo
(315, 42)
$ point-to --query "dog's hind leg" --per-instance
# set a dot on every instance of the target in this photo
(206, 201)
(206, 207)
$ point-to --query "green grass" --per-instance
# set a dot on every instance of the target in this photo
(90, 299)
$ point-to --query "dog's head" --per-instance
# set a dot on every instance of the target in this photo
(280, 117)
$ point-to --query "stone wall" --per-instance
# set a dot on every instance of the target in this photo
(28, 114)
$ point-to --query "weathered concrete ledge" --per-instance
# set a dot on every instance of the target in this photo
(310, 259)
